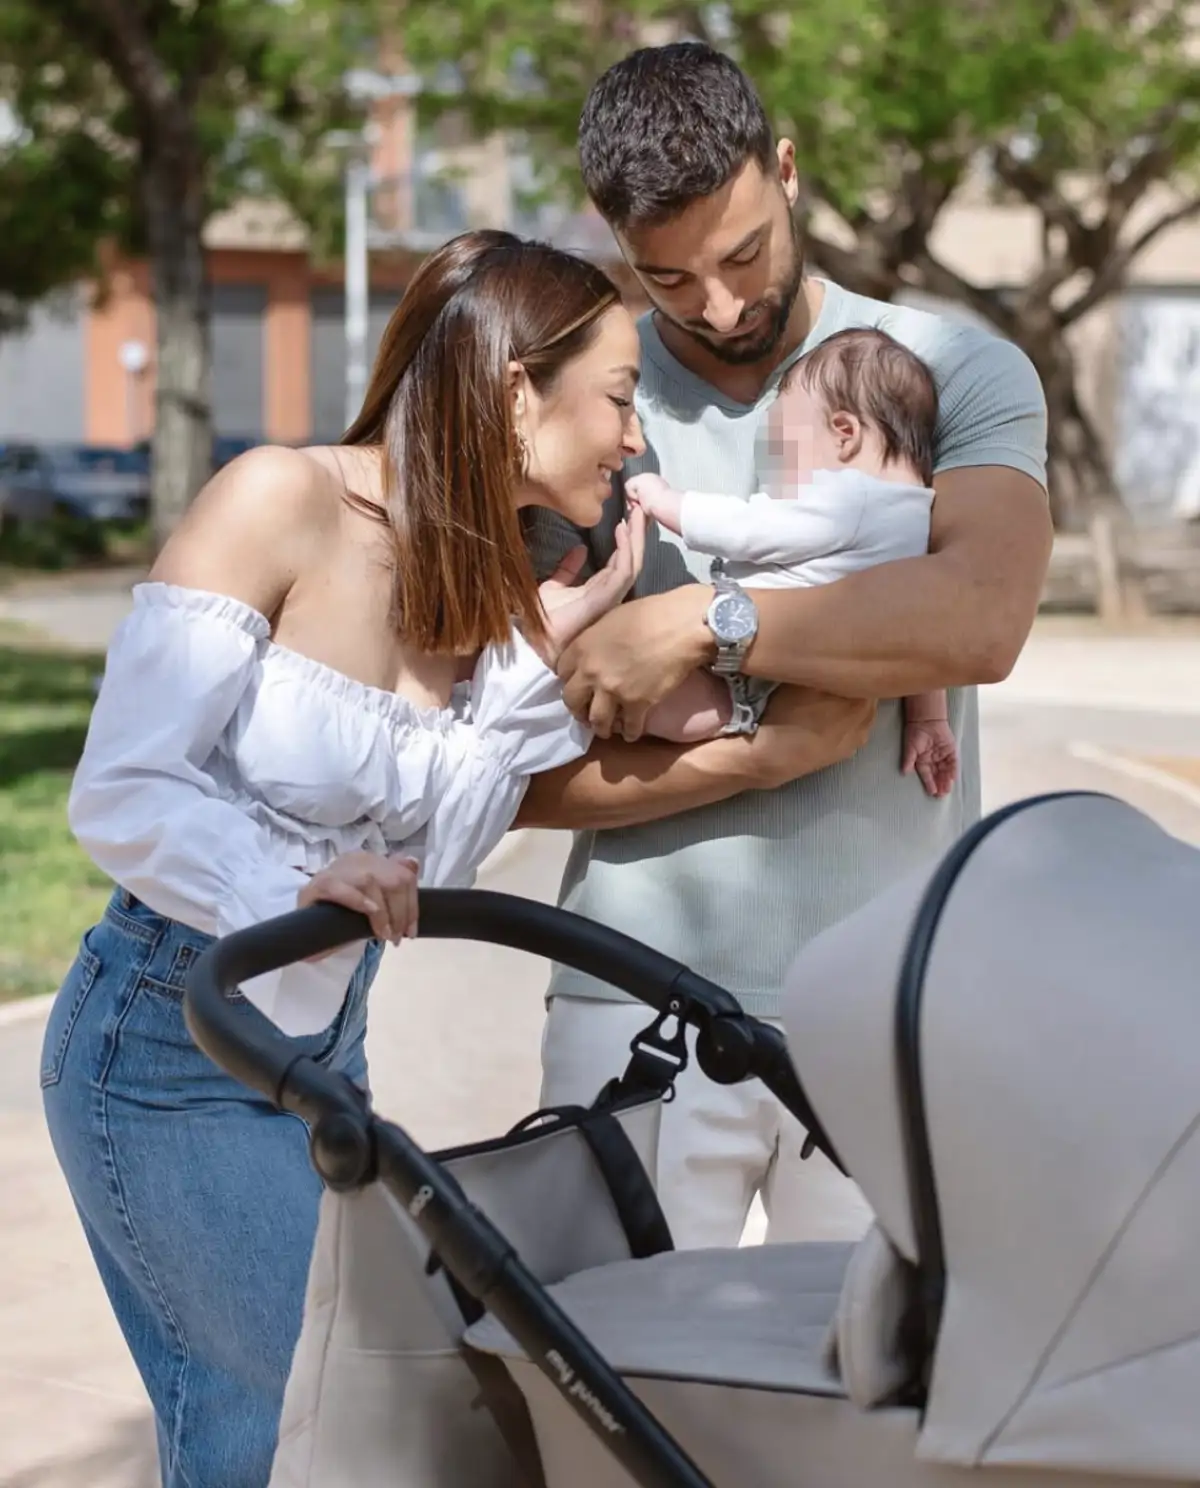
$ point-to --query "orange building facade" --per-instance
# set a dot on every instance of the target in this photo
(286, 298)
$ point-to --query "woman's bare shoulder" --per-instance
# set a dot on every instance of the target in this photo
(258, 524)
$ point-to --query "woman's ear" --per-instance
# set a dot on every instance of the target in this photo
(517, 383)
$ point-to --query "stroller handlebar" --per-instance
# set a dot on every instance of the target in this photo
(257, 1053)
(350, 1146)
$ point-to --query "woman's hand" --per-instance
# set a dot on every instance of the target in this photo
(383, 889)
(570, 607)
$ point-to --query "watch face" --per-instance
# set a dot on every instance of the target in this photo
(733, 618)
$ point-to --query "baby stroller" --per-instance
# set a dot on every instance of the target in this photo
(1002, 1051)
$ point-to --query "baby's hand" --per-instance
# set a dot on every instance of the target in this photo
(657, 499)
(930, 749)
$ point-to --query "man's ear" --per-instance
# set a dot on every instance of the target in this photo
(789, 179)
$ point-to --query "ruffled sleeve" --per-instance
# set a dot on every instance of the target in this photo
(522, 727)
(144, 808)
(517, 705)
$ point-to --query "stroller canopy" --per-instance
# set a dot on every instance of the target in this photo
(1006, 1054)
(1048, 975)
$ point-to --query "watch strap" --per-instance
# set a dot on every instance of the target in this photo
(730, 654)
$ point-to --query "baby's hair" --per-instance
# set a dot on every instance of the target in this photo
(870, 374)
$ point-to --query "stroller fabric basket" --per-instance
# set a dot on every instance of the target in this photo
(1004, 1053)
(1001, 1050)
(380, 1391)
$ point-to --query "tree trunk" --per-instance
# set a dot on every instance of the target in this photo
(1080, 475)
(1083, 493)
(173, 196)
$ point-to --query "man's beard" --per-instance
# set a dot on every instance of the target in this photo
(744, 351)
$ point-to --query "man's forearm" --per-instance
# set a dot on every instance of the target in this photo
(622, 785)
(957, 617)
(901, 628)
(915, 625)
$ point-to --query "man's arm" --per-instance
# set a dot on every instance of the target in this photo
(957, 617)
(961, 614)
(622, 785)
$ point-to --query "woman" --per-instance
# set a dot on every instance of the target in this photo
(338, 677)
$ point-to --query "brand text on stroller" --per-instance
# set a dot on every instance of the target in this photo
(580, 1391)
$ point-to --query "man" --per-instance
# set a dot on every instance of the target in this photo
(677, 155)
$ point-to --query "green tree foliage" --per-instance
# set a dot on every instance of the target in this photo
(1087, 112)
(133, 122)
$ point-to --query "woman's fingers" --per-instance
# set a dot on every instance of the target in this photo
(383, 889)
(402, 898)
(329, 888)
(396, 882)
(616, 577)
(637, 539)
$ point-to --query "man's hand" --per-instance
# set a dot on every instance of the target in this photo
(803, 731)
(631, 658)
(657, 499)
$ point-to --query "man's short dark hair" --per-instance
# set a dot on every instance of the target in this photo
(666, 126)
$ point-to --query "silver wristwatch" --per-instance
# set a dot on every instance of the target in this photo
(733, 619)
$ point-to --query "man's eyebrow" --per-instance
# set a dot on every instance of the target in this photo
(744, 244)
(645, 268)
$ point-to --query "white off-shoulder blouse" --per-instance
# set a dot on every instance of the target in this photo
(221, 770)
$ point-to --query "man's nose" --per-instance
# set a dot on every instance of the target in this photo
(722, 309)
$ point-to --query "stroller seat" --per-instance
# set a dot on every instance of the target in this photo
(756, 1317)
(737, 1354)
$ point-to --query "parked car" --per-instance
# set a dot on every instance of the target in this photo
(225, 447)
(228, 447)
(93, 483)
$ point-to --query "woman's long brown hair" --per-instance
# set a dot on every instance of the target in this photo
(439, 405)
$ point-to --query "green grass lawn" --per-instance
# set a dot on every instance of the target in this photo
(49, 891)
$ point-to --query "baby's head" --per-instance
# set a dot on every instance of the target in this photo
(858, 400)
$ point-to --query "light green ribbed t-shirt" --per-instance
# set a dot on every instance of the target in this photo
(735, 889)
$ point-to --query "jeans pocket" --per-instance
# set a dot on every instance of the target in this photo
(63, 1015)
(349, 1024)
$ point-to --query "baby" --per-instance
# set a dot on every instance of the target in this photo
(848, 455)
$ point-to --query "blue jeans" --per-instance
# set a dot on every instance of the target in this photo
(197, 1197)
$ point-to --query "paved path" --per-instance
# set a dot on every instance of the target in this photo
(454, 1043)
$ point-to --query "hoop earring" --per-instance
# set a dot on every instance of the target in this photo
(522, 455)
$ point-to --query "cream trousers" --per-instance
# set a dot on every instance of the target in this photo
(729, 1165)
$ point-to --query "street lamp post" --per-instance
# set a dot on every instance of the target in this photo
(365, 87)
(357, 283)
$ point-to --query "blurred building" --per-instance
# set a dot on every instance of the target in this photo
(277, 316)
